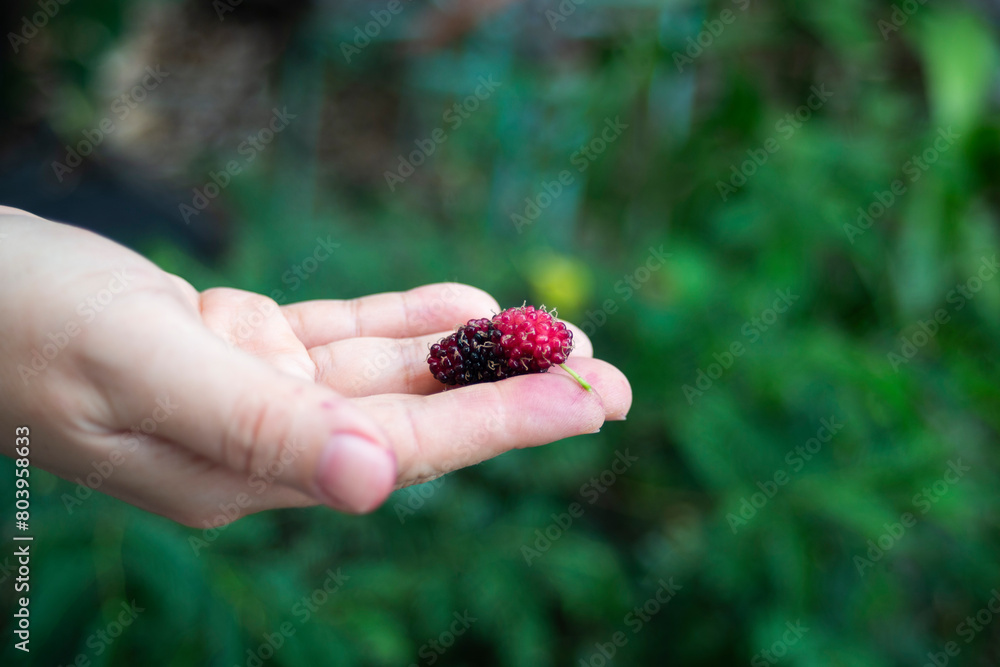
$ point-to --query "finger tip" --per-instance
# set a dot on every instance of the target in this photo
(582, 345)
(610, 386)
(586, 406)
(470, 300)
(625, 403)
(355, 474)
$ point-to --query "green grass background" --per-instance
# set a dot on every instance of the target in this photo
(657, 185)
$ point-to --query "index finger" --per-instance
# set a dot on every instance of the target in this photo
(433, 435)
(417, 312)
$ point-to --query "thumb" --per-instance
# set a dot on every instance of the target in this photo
(238, 411)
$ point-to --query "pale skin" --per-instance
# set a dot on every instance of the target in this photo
(193, 399)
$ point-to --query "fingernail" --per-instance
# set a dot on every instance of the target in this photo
(355, 473)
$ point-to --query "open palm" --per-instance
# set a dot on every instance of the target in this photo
(183, 402)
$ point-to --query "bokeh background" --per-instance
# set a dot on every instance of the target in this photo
(803, 190)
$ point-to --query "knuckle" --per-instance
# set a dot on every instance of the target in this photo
(261, 303)
(258, 434)
(242, 300)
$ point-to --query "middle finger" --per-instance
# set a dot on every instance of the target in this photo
(360, 367)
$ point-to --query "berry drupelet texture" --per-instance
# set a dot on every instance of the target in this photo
(532, 340)
(466, 356)
(515, 342)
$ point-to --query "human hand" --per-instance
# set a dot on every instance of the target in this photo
(195, 399)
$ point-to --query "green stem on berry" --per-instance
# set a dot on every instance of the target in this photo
(576, 376)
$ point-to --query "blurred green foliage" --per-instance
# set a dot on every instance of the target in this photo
(686, 509)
